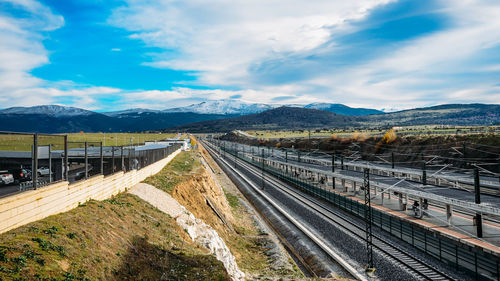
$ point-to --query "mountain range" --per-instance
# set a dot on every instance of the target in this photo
(290, 118)
(48, 110)
(62, 119)
(206, 117)
(234, 107)
(223, 107)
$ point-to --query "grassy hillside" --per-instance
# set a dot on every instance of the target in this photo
(123, 238)
(190, 184)
(408, 149)
(450, 114)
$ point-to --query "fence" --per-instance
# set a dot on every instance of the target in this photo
(36, 160)
(473, 261)
(22, 208)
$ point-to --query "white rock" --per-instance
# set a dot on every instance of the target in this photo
(199, 231)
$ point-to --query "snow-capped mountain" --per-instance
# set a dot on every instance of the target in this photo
(50, 110)
(61, 119)
(132, 111)
(342, 109)
(223, 107)
(242, 108)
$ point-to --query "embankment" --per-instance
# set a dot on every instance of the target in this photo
(196, 182)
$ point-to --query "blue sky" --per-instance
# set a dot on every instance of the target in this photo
(384, 54)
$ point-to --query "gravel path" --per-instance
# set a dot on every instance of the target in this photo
(158, 198)
(197, 229)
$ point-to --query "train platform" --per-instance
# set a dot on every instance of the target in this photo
(460, 227)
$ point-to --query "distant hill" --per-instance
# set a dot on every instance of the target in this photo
(278, 118)
(301, 118)
(132, 111)
(449, 114)
(61, 119)
(343, 109)
(43, 123)
(147, 121)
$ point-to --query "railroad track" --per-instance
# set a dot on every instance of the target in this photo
(314, 239)
(419, 268)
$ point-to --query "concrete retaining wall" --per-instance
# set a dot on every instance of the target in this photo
(33, 205)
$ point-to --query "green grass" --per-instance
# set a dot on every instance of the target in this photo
(116, 139)
(176, 171)
(233, 200)
(25, 142)
(123, 238)
(428, 129)
(265, 134)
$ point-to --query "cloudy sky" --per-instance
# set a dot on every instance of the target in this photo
(385, 54)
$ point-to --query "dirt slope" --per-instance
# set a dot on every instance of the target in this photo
(123, 238)
(210, 196)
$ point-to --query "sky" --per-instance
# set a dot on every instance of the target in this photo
(113, 55)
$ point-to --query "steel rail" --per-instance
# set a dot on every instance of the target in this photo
(349, 268)
(411, 263)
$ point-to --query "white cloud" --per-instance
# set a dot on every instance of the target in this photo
(185, 96)
(39, 16)
(476, 28)
(223, 38)
(21, 48)
(434, 69)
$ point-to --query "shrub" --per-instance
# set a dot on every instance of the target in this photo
(389, 137)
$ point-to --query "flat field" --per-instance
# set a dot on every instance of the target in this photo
(305, 134)
(408, 130)
(25, 142)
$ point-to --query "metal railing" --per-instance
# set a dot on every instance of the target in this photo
(475, 262)
(43, 159)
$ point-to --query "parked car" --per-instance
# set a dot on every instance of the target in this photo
(6, 178)
(20, 175)
(81, 174)
(43, 171)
